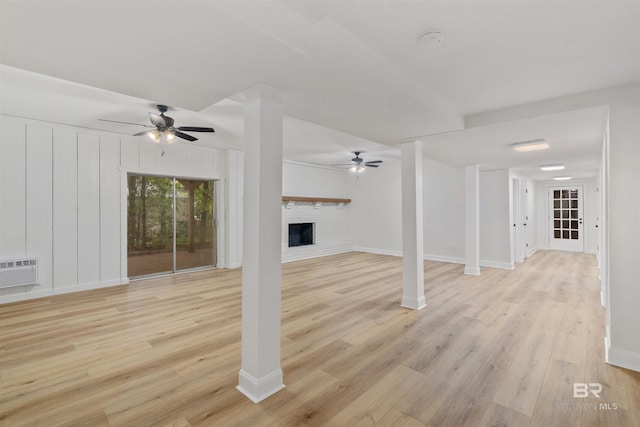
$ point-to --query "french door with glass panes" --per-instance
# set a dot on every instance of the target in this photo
(566, 226)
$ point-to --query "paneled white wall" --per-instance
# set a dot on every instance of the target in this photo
(88, 216)
(39, 206)
(65, 223)
(61, 199)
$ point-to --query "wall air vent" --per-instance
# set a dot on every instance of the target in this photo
(18, 272)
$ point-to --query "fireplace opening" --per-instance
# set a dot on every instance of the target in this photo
(301, 234)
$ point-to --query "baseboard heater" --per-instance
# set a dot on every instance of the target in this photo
(18, 272)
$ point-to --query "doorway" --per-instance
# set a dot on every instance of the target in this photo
(170, 225)
(566, 227)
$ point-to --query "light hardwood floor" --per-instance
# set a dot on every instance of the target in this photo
(500, 349)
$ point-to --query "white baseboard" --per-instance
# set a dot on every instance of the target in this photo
(428, 257)
(444, 258)
(259, 389)
(332, 250)
(531, 252)
(622, 358)
(51, 292)
(472, 271)
(412, 303)
(497, 264)
(377, 251)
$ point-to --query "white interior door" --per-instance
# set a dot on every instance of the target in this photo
(524, 191)
(518, 255)
(566, 225)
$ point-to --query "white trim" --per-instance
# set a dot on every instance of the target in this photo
(622, 358)
(414, 304)
(497, 264)
(472, 271)
(258, 389)
(531, 252)
(443, 258)
(51, 292)
(316, 253)
(377, 251)
(232, 266)
(312, 165)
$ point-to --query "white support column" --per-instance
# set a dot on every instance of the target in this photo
(472, 220)
(260, 374)
(412, 227)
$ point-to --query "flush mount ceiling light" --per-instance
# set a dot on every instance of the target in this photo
(533, 145)
(561, 178)
(431, 39)
(552, 168)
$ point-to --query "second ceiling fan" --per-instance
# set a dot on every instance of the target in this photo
(358, 164)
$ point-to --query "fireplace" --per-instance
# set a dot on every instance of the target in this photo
(301, 234)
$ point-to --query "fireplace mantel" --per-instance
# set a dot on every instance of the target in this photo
(317, 201)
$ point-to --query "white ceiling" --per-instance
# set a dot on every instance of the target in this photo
(353, 74)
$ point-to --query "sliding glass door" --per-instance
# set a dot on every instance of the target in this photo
(195, 229)
(170, 225)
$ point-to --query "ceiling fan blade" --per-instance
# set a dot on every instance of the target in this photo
(371, 166)
(373, 162)
(195, 129)
(124, 123)
(185, 136)
(343, 164)
(158, 120)
(144, 132)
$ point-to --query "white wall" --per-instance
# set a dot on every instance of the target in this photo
(332, 231)
(63, 198)
(444, 211)
(495, 219)
(624, 227)
(376, 211)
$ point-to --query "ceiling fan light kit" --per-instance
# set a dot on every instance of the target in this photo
(358, 165)
(163, 130)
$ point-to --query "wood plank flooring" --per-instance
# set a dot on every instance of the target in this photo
(500, 349)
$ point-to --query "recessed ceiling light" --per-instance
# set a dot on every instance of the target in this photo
(552, 167)
(561, 178)
(431, 39)
(533, 145)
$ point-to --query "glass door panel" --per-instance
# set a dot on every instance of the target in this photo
(149, 225)
(566, 219)
(195, 242)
